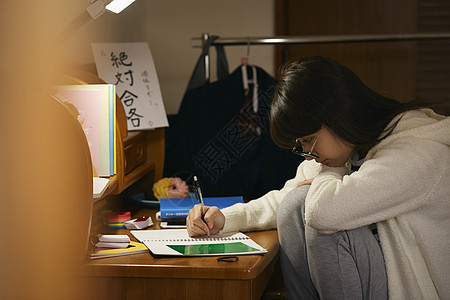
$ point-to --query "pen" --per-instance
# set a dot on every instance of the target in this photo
(198, 194)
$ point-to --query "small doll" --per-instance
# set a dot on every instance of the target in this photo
(172, 187)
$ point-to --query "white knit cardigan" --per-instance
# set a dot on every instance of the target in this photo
(403, 186)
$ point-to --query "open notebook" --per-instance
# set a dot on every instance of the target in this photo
(177, 242)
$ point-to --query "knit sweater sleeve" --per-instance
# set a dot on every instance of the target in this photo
(261, 213)
(398, 178)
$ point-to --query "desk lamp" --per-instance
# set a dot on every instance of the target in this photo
(93, 11)
(97, 7)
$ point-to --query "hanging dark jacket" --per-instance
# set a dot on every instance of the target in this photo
(208, 138)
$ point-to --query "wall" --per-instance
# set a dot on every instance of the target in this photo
(168, 26)
(387, 67)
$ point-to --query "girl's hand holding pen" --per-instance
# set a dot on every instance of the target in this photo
(214, 221)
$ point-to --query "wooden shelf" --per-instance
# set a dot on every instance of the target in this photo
(139, 153)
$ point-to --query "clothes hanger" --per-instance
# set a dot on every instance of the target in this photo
(246, 81)
(244, 59)
(250, 85)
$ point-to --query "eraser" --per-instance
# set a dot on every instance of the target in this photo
(139, 223)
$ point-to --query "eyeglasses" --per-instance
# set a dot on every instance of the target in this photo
(297, 149)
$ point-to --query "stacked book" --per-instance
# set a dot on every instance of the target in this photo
(96, 106)
(113, 241)
(116, 245)
(175, 210)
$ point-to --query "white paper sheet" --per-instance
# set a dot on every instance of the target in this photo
(131, 68)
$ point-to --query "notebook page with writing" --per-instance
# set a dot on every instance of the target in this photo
(178, 243)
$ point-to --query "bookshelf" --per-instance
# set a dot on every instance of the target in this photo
(139, 153)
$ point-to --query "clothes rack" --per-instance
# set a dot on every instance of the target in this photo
(322, 39)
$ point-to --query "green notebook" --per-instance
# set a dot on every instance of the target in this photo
(213, 249)
(177, 242)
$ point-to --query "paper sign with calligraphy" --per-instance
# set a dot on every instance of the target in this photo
(130, 67)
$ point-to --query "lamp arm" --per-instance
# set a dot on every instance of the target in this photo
(92, 12)
(97, 8)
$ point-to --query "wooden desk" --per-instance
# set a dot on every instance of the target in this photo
(142, 276)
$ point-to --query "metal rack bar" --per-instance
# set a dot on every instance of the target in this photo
(323, 39)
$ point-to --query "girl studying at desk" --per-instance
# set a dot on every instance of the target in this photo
(368, 212)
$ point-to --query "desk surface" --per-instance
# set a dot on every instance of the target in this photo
(254, 270)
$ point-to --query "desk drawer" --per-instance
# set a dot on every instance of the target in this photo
(134, 154)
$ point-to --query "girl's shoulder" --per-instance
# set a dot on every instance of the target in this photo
(423, 124)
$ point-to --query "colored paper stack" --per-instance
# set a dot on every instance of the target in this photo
(117, 219)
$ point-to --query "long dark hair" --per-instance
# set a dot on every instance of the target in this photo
(316, 91)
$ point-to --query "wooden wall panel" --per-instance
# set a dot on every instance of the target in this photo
(434, 56)
(387, 67)
(401, 70)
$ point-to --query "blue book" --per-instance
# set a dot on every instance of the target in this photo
(179, 207)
